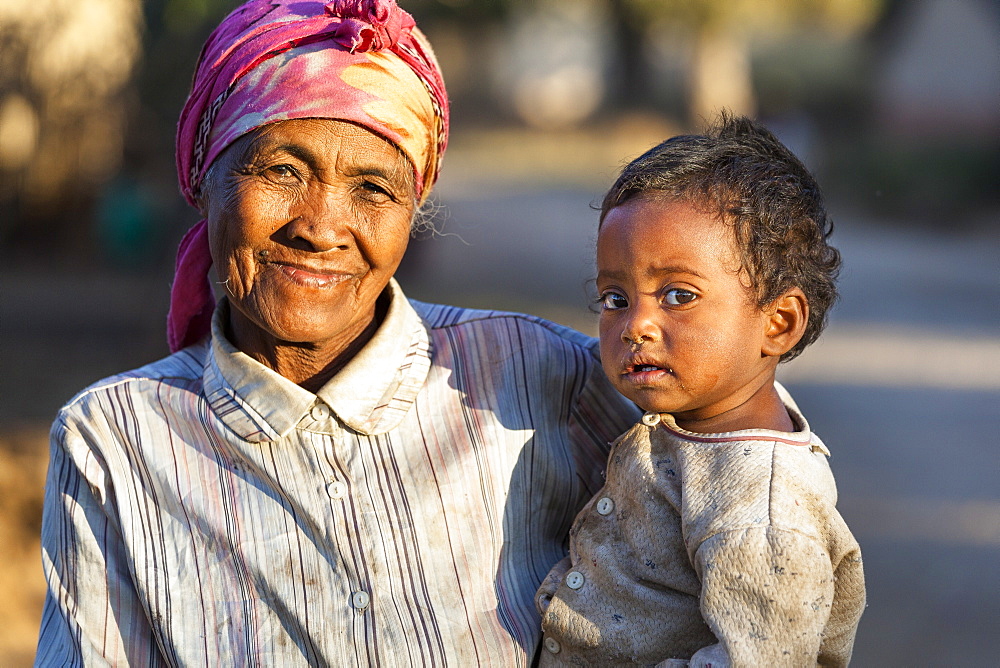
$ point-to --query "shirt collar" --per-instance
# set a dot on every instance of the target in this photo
(802, 435)
(370, 395)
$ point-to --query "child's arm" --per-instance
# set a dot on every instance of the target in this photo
(767, 595)
(550, 584)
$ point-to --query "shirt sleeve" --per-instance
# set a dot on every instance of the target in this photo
(92, 615)
(766, 594)
(599, 416)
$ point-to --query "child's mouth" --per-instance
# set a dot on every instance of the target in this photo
(645, 372)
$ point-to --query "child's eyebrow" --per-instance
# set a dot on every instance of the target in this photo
(621, 275)
(672, 269)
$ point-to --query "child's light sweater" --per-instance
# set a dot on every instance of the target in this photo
(702, 538)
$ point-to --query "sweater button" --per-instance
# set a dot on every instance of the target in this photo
(552, 645)
(651, 419)
(574, 580)
(605, 505)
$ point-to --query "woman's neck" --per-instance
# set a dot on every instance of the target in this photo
(309, 365)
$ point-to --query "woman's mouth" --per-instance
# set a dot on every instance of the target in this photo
(311, 277)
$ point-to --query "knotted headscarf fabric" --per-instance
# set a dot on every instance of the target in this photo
(362, 61)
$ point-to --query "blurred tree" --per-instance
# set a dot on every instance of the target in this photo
(472, 11)
(720, 73)
(64, 70)
(79, 101)
(717, 34)
(175, 32)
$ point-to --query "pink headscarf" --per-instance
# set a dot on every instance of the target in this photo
(362, 61)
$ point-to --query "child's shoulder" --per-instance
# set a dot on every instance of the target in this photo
(751, 478)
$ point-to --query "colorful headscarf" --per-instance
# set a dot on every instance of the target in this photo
(362, 61)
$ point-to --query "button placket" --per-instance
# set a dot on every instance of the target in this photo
(320, 412)
(360, 600)
(336, 489)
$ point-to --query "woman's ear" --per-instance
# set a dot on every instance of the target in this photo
(201, 197)
(787, 317)
(207, 186)
(202, 205)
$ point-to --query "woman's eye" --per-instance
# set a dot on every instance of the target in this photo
(281, 172)
(679, 296)
(375, 189)
(612, 301)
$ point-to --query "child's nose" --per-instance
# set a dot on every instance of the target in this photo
(641, 326)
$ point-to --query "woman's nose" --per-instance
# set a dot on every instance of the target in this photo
(321, 223)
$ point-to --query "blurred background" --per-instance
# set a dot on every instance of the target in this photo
(894, 104)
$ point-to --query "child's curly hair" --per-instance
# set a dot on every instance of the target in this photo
(741, 170)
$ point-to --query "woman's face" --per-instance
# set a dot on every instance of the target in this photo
(308, 220)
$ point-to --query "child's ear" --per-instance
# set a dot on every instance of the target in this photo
(787, 317)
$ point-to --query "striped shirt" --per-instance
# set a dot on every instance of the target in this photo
(205, 510)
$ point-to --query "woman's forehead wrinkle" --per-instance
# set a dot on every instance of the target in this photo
(327, 146)
(309, 60)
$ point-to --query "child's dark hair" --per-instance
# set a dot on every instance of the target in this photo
(741, 170)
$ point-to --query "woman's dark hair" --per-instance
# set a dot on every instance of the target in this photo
(741, 171)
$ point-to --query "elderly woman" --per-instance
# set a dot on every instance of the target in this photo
(323, 473)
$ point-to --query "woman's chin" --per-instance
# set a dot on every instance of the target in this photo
(315, 331)
(262, 328)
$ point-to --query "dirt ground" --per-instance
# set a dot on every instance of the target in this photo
(23, 458)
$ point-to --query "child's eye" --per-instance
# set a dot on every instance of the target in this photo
(679, 296)
(612, 301)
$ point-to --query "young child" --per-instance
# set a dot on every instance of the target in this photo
(715, 538)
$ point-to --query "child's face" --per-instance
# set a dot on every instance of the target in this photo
(679, 330)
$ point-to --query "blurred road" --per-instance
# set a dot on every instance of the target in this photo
(904, 387)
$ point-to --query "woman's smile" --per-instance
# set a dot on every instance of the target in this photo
(308, 219)
(310, 277)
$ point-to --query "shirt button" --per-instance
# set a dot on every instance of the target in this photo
(574, 580)
(552, 645)
(605, 505)
(360, 600)
(651, 419)
(337, 489)
(320, 412)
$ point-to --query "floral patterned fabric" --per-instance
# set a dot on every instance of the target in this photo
(362, 61)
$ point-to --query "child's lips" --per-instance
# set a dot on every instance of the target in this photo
(643, 371)
(645, 374)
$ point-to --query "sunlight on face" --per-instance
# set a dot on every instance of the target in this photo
(679, 330)
(308, 220)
